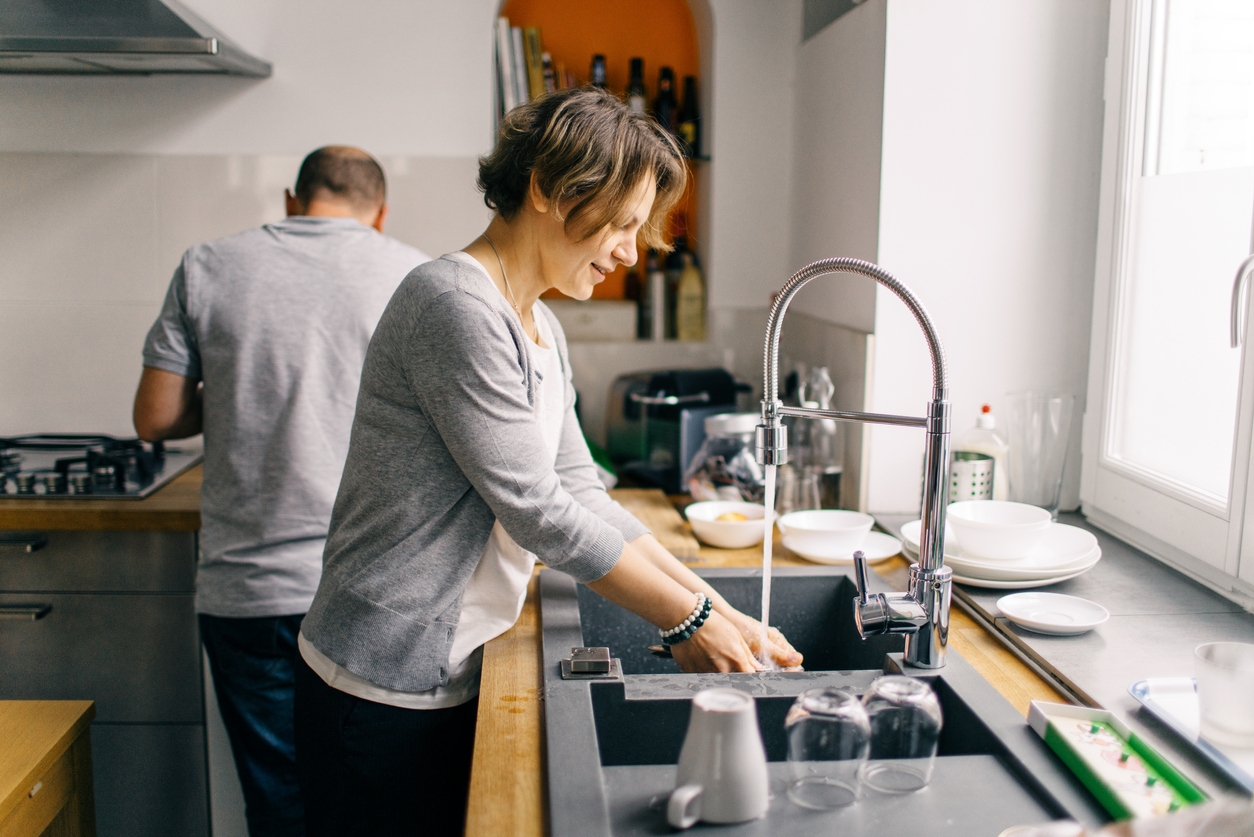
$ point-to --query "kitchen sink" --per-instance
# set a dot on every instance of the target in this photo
(612, 745)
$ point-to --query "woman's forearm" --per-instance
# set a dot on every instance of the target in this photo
(638, 584)
(660, 557)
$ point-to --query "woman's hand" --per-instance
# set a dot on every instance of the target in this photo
(779, 651)
(718, 645)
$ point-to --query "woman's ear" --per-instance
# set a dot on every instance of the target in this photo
(536, 197)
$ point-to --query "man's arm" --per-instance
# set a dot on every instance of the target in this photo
(167, 406)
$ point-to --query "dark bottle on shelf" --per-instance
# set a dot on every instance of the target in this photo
(596, 76)
(636, 99)
(675, 263)
(665, 106)
(690, 119)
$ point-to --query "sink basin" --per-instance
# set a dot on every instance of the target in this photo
(612, 744)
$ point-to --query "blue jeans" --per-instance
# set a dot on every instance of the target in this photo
(253, 664)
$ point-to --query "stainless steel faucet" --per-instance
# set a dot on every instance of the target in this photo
(922, 612)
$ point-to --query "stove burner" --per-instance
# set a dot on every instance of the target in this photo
(65, 464)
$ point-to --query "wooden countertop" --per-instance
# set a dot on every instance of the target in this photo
(174, 507)
(507, 792)
(35, 733)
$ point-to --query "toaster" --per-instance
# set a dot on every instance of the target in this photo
(655, 421)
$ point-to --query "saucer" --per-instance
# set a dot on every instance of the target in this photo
(876, 547)
(1052, 613)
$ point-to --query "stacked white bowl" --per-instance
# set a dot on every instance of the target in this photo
(826, 530)
(996, 529)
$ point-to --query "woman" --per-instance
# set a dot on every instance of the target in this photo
(467, 462)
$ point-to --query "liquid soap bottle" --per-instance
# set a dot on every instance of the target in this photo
(983, 438)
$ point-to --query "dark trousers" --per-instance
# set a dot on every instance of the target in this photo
(253, 665)
(367, 768)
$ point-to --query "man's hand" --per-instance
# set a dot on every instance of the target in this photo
(167, 406)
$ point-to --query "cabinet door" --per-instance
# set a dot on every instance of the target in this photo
(149, 780)
(105, 562)
(137, 656)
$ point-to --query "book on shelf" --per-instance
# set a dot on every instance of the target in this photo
(506, 89)
(520, 65)
(533, 55)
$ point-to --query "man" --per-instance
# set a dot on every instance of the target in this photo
(260, 345)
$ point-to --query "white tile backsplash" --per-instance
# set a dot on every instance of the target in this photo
(77, 227)
(89, 242)
(71, 367)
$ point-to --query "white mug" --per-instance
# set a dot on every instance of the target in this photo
(722, 774)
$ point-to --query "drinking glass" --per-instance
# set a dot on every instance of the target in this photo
(905, 720)
(1039, 429)
(829, 737)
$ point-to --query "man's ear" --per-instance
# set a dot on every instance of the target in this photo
(294, 207)
(379, 218)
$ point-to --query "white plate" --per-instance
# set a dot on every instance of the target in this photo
(1015, 585)
(1062, 547)
(1017, 574)
(876, 547)
(1052, 613)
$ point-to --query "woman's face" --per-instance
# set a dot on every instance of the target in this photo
(575, 267)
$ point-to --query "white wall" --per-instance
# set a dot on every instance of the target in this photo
(992, 133)
(836, 166)
(409, 77)
(750, 122)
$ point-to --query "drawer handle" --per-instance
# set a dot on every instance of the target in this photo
(35, 789)
(24, 541)
(31, 612)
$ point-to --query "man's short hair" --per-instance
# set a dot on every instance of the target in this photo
(589, 153)
(346, 174)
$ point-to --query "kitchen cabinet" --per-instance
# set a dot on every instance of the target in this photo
(45, 769)
(109, 616)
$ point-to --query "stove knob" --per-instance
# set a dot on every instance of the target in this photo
(25, 483)
(103, 475)
(80, 484)
(54, 483)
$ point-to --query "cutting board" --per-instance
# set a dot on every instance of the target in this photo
(651, 507)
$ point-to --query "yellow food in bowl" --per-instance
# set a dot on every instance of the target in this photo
(731, 517)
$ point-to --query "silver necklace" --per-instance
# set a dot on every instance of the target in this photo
(508, 289)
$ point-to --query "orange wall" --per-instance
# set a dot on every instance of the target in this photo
(661, 32)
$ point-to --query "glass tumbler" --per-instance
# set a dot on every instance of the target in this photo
(905, 720)
(1040, 430)
(829, 737)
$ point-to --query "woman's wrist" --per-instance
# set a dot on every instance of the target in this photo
(685, 629)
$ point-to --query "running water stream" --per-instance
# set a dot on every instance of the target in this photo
(768, 501)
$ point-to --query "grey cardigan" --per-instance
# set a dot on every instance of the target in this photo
(445, 442)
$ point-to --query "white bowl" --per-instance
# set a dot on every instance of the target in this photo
(728, 534)
(996, 529)
(826, 530)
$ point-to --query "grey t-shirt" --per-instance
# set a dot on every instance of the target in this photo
(276, 322)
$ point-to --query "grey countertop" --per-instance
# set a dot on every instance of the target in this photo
(1157, 617)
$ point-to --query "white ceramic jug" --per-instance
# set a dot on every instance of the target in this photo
(722, 774)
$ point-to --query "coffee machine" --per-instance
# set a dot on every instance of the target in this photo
(655, 421)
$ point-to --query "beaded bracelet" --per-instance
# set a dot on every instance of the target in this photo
(685, 629)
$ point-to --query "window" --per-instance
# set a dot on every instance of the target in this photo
(1167, 438)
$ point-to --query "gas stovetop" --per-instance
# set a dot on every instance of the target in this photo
(53, 466)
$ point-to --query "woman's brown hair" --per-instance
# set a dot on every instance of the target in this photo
(589, 153)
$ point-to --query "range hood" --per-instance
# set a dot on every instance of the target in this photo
(115, 36)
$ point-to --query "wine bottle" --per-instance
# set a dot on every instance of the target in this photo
(596, 75)
(636, 99)
(664, 106)
(690, 119)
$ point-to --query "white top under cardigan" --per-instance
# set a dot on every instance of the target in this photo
(495, 593)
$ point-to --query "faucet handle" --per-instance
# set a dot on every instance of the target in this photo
(859, 576)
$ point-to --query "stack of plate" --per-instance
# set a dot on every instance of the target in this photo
(1063, 552)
